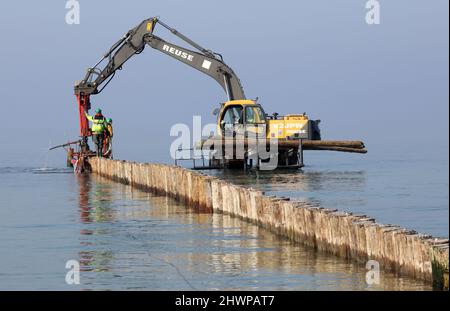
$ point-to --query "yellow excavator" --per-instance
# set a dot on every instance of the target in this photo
(238, 117)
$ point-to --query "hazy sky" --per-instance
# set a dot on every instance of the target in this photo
(383, 84)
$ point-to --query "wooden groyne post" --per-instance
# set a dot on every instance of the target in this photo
(356, 237)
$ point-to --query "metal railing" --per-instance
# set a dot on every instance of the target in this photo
(191, 158)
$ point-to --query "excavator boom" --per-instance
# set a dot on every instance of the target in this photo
(209, 65)
(134, 42)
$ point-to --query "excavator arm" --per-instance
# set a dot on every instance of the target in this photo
(134, 42)
(208, 64)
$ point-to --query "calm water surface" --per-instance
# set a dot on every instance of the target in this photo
(128, 239)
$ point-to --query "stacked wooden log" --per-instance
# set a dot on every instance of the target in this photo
(335, 145)
(354, 146)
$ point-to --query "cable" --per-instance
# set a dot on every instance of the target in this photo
(107, 82)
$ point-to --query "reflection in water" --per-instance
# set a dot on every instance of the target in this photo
(95, 260)
(84, 184)
(94, 200)
(136, 240)
(94, 206)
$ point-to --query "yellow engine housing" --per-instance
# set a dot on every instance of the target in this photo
(290, 126)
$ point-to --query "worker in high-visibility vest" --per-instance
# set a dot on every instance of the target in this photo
(108, 136)
(98, 129)
(109, 128)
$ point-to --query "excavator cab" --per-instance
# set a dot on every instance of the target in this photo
(241, 118)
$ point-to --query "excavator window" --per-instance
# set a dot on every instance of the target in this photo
(254, 115)
(232, 116)
(232, 120)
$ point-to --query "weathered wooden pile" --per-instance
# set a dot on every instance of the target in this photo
(357, 237)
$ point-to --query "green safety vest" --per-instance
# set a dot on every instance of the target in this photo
(98, 126)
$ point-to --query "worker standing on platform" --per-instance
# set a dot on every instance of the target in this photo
(98, 130)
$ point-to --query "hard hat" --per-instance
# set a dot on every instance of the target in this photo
(98, 110)
(109, 120)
